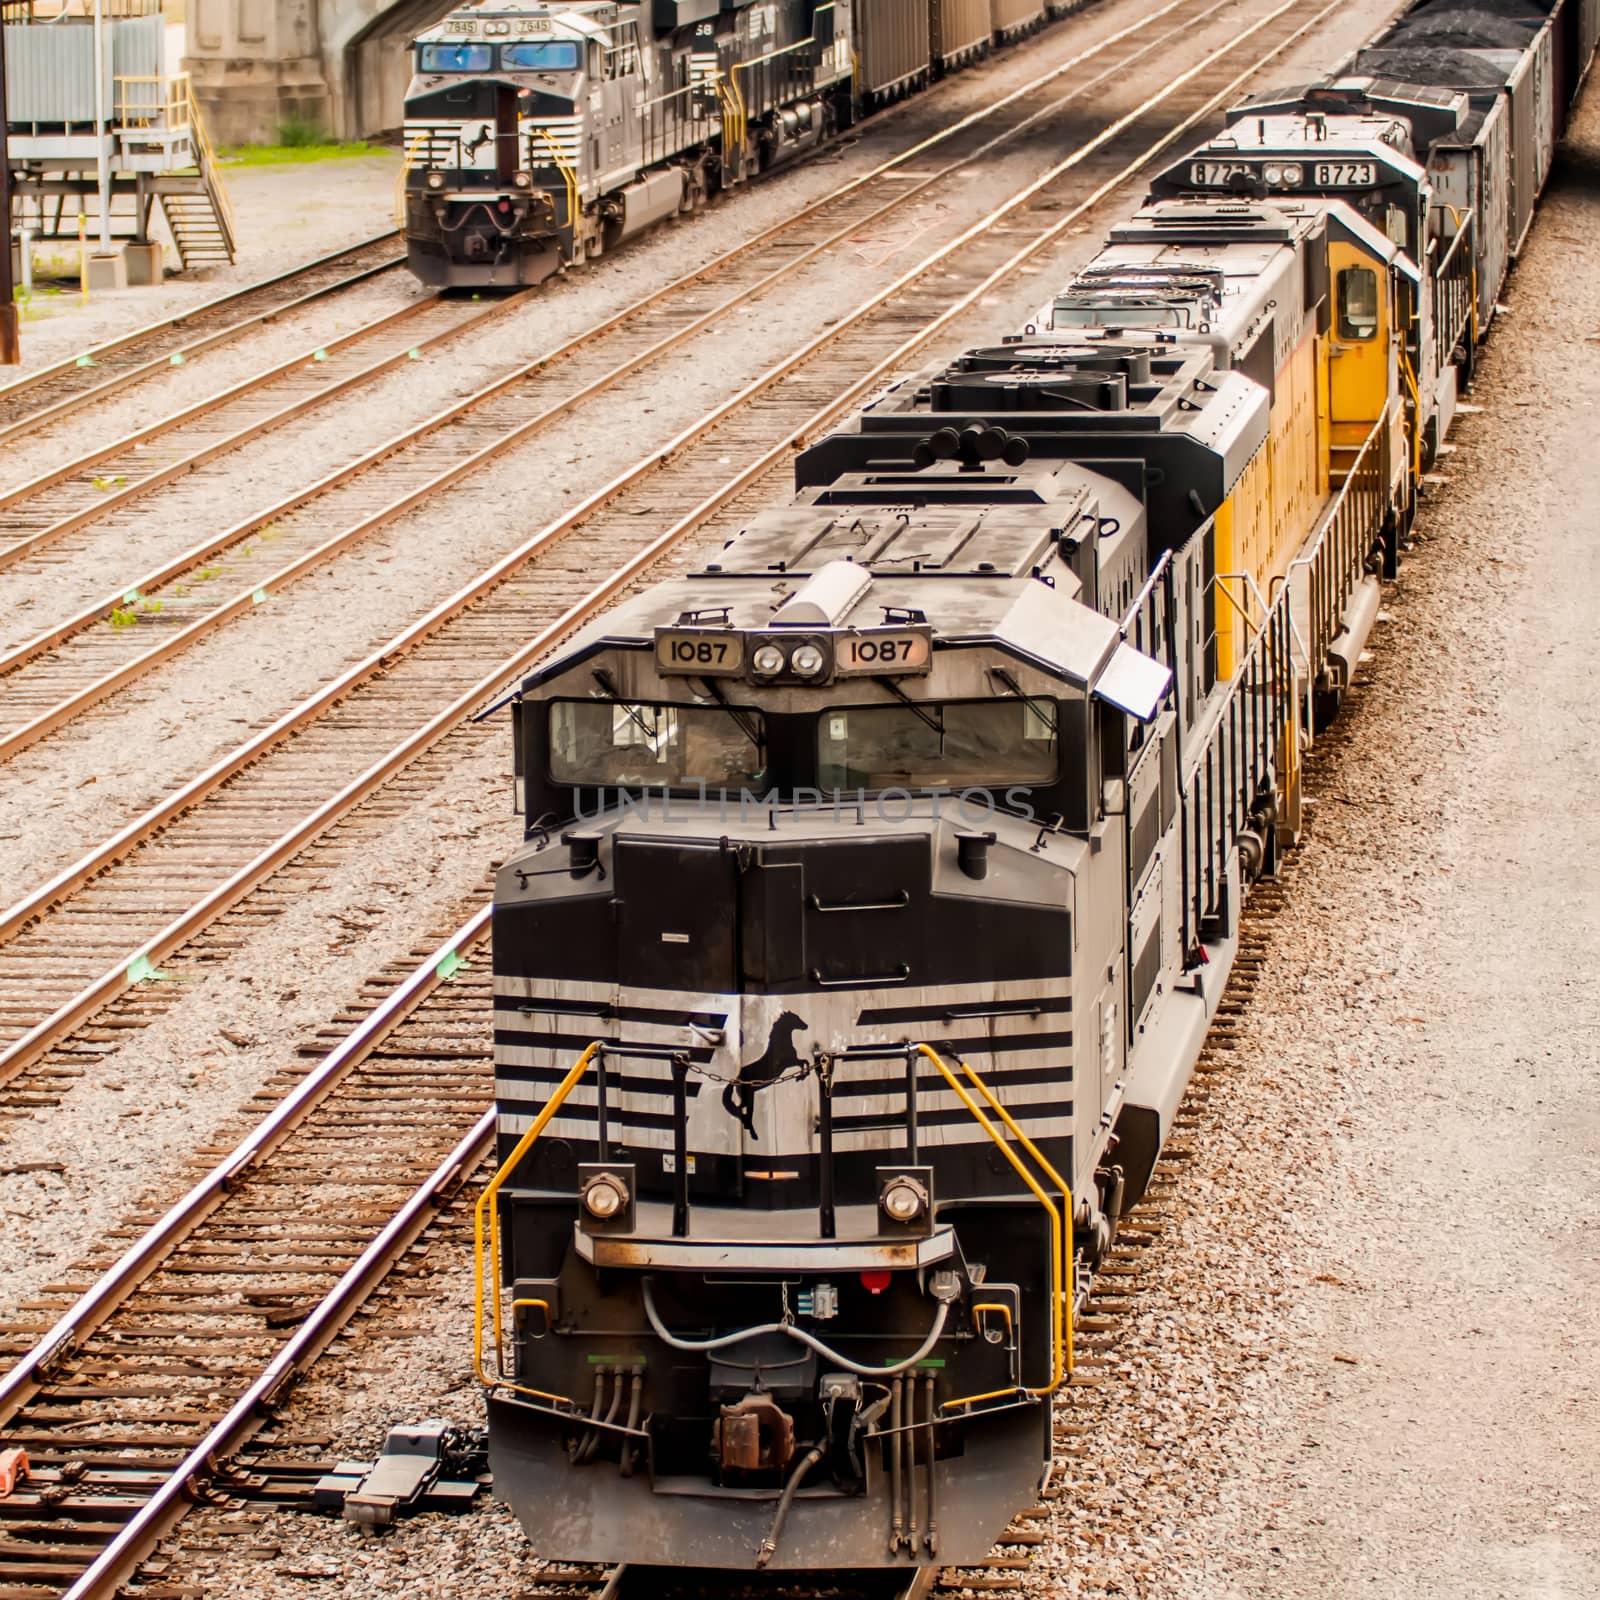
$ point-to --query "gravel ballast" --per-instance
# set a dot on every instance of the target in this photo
(1360, 1361)
(283, 974)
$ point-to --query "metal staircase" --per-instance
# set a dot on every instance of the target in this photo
(194, 202)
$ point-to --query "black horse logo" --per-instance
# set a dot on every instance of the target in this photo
(478, 140)
(739, 1098)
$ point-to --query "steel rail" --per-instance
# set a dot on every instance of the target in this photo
(34, 420)
(214, 545)
(116, 1563)
(146, 1253)
(30, 544)
(173, 643)
(99, 352)
(117, 979)
(139, 1536)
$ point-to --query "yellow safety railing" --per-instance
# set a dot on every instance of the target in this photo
(486, 1234)
(148, 100)
(1061, 1260)
(1409, 373)
(406, 164)
(733, 118)
(482, 1258)
(569, 176)
(205, 159)
(772, 55)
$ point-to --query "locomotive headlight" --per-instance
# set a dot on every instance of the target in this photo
(523, 180)
(436, 180)
(767, 660)
(808, 661)
(1293, 173)
(605, 1196)
(1272, 172)
(903, 1200)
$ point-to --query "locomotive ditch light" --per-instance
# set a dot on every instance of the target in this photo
(523, 180)
(606, 1192)
(435, 180)
(905, 1198)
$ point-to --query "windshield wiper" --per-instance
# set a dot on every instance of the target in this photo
(740, 718)
(1044, 710)
(629, 709)
(933, 719)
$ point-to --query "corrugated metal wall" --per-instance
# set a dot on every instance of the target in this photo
(962, 30)
(50, 66)
(891, 43)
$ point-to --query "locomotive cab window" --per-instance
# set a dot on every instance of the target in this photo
(630, 744)
(1358, 303)
(455, 58)
(555, 55)
(938, 746)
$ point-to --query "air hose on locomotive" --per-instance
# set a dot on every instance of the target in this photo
(695, 1346)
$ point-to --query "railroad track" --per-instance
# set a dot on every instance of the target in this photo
(131, 1392)
(164, 1362)
(38, 515)
(66, 386)
(117, 926)
(132, 1399)
(168, 1361)
(156, 614)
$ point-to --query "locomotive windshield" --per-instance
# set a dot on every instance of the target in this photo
(553, 55)
(455, 57)
(938, 746)
(631, 745)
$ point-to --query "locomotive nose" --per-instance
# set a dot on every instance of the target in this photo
(840, 908)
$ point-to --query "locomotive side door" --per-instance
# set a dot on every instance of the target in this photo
(506, 154)
(1364, 354)
(634, 87)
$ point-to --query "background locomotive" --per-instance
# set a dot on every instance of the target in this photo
(537, 136)
(882, 877)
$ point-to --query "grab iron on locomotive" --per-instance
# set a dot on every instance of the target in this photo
(538, 136)
(882, 877)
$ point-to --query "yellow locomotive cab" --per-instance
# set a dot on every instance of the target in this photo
(1364, 348)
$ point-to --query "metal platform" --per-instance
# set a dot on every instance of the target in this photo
(99, 135)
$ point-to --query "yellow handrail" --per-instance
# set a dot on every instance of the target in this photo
(569, 176)
(733, 126)
(207, 161)
(406, 164)
(486, 1204)
(169, 104)
(1045, 1166)
(1061, 1336)
(1409, 373)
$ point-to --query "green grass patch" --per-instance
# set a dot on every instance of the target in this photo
(292, 154)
